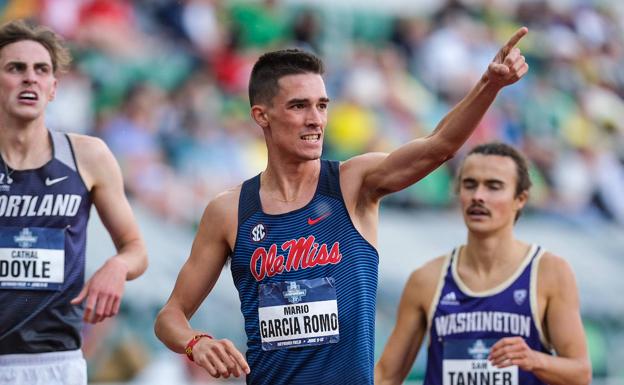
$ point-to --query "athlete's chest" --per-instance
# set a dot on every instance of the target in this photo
(305, 240)
(39, 210)
(318, 236)
(50, 192)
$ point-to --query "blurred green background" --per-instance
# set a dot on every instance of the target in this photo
(164, 82)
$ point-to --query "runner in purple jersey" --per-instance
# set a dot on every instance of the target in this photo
(289, 103)
(48, 183)
(496, 310)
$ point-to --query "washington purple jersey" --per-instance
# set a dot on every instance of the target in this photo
(43, 219)
(463, 326)
(307, 283)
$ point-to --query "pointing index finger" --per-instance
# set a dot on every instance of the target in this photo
(516, 38)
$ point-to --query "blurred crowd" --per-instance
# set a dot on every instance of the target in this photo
(164, 83)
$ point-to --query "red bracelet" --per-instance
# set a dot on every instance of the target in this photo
(189, 347)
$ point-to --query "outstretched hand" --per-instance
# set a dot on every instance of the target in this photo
(508, 65)
(103, 291)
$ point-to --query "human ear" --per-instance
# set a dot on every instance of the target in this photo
(53, 93)
(259, 115)
(521, 200)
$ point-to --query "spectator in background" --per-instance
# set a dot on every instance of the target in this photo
(134, 138)
(573, 98)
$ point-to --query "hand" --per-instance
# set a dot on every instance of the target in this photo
(103, 291)
(514, 351)
(508, 65)
(220, 358)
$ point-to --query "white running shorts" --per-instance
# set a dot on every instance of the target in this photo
(55, 368)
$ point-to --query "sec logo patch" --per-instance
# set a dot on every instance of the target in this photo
(258, 233)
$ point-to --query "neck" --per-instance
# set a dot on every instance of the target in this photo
(485, 253)
(289, 182)
(24, 147)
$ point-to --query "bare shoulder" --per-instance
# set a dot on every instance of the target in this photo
(423, 282)
(359, 165)
(224, 204)
(354, 171)
(554, 265)
(95, 160)
(88, 147)
(428, 275)
(221, 216)
(555, 272)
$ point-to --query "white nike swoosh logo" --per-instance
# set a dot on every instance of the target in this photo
(50, 182)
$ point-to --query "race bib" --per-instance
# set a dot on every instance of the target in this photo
(465, 362)
(32, 258)
(298, 313)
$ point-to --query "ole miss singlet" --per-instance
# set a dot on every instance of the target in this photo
(465, 324)
(307, 282)
(43, 218)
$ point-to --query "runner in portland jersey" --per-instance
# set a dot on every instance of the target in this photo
(43, 218)
(307, 282)
(466, 324)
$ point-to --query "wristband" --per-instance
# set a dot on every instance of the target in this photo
(189, 346)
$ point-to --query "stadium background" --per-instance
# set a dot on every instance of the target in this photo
(164, 84)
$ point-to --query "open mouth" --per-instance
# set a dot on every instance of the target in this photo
(311, 137)
(28, 96)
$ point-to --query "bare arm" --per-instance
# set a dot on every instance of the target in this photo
(571, 365)
(414, 160)
(101, 173)
(406, 338)
(195, 281)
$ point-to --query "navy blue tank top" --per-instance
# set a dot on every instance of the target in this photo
(43, 219)
(307, 282)
(464, 325)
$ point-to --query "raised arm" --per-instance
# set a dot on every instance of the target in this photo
(414, 160)
(406, 338)
(101, 173)
(563, 326)
(198, 276)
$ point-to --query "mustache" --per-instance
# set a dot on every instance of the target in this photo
(477, 206)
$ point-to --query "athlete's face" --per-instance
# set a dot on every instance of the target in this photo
(27, 81)
(487, 193)
(294, 123)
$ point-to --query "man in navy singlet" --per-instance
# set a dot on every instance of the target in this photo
(495, 309)
(302, 235)
(48, 181)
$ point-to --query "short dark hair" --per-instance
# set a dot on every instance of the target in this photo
(272, 66)
(523, 180)
(19, 30)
